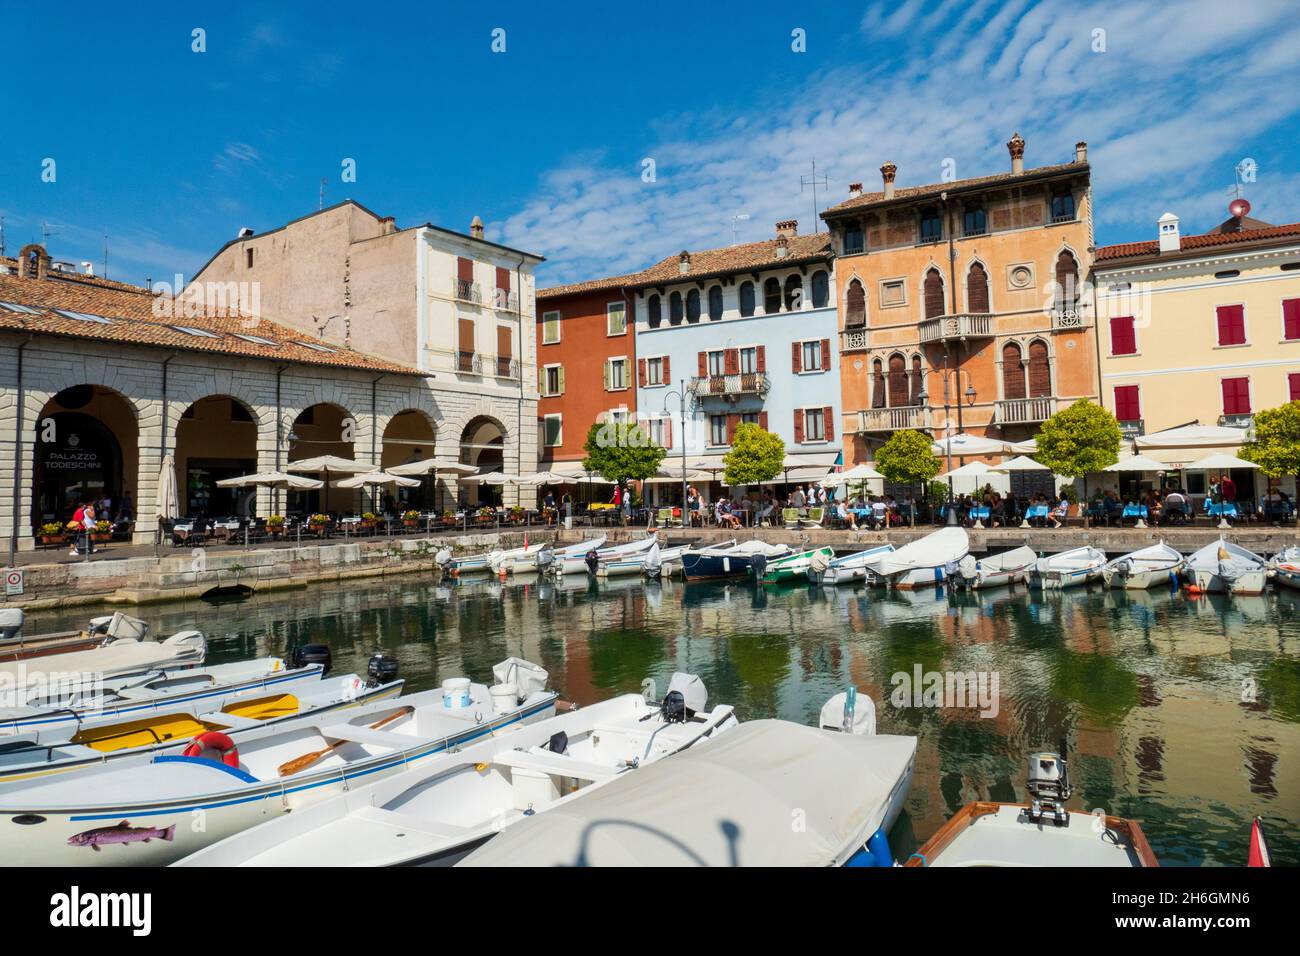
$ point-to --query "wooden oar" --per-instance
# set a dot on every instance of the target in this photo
(306, 760)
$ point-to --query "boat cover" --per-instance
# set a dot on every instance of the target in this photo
(726, 802)
(935, 550)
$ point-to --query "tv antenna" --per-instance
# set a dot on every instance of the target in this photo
(48, 229)
(105, 255)
(812, 182)
(2, 236)
(738, 218)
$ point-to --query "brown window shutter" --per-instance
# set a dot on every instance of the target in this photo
(668, 433)
(1040, 373)
(503, 279)
(733, 361)
(934, 305)
(897, 381)
(795, 364)
(465, 341)
(704, 364)
(977, 289)
(826, 353)
(640, 372)
(798, 426)
(732, 422)
(828, 423)
(762, 420)
(760, 359)
(465, 269)
(505, 348)
(668, 372)
(1013, 372)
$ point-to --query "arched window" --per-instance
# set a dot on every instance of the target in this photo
(931, 225)
(855, 306)
(1040, 371)
(1013, 372)
(675, 309)
(933, 294)
(793, 293)
(898, 381)
(715, 303)
(654, 312)
(747, 299)
(877, 384)
(917, 380)
(693, 306)
(1067, 281)
(772, 296)
(821, 288)
(977, 289)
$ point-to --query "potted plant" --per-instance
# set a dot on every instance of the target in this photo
(448, 517)
(275, 525)
(103, 530)
(369, 519)
(52, 533)
(516, 514)
(318, 521)
(411, 518)
(486, 514)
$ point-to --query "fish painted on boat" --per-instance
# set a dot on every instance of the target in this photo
(121, 833)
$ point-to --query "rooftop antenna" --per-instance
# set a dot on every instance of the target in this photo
(813, 181)
(105, 255)
(322, 194)
(739, 217)
(2, 236)
(47, 229)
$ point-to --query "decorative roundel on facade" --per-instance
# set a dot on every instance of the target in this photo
(1069, 345)
(857, 365)
(1021, 276)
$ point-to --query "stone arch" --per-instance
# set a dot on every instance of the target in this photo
(215, 437)
(855, 302)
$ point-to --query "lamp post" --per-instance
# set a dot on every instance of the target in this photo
(681, 399)
(947, 428)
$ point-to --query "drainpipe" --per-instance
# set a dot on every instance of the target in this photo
(157, 505)
(519, 402)
(20, 419)
(279, 426)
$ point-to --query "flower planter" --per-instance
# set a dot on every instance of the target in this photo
(101, 536)
(53, 539)
(410, 523)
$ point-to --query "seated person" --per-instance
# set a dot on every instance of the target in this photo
(879, 513)
(1059, 511)
(849, 519)
(1175, 507)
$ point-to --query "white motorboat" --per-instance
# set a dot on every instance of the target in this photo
(995, 570)
(654, 563)
(590, 561)
(1226, 568)
(729, 561)
(534, 557)
(471, 564)
(716, 805)
(925, 562)
(848, 568)
(1068, 569)
(1144, 568)
(1285, 568)
(144, 814)
(580, 549)
(145, 730)
(435, 814)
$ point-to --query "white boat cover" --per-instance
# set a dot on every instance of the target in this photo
(724, 803)
(936, 550)
(581, 548)
(122, 657)
(1021, 557)
(1073, 559)
(1223, 554)
(1157, 555)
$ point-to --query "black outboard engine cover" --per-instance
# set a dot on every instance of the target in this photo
(381, 668)
(312, 654)
(593, 561)
(559, 743)
(673, 709)
(759, 563)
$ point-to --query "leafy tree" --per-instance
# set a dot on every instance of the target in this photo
(755, 457)
(1077, 440)
(907, 457)
(621, 451)
(1276, 445)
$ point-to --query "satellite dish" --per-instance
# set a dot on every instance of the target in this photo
(1239, 208)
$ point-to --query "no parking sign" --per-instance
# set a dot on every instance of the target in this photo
(13, 582)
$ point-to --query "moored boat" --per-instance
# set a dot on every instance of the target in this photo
(533, 557)
(925, 562)
(848, 568)
(1285, 568)
(728, 562)
(1144, 568)
(589, 561)
(1223, 567)
(995, 570)
(1068, 569)
(792, 567)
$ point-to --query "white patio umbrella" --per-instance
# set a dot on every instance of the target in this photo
(1020, 463)
(272, 479)
(431, 466)
(324, 465)
(546, 478)
(664, 479)
(168, 506)
(1219, 461)
(1138, 463)
(377, 478)
(972, 469)
(963, 445)
(857, 473)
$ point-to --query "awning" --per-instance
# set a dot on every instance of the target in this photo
(1193, 436)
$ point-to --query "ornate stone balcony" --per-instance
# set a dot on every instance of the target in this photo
(964, 325)
(895, 419)
(730, 386)
(1024, 411)
(854, 339)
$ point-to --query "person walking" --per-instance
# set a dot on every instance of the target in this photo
(88, 521)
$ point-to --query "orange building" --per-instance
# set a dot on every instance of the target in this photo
(586, 364)
(960, 302)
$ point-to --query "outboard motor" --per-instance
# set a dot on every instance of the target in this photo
(442, 558)
(686, 696)
(11, 623)
(99, 625)
(759, 563)
(967, 570)
(306, 654)
(1124, 568)
(593, 561)
(381, 668)
(1048, 783)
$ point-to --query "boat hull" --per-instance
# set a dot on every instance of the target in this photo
(1057, 580)
(988, 580)
(1141, 580)
(1212, 582)
(1287, 578)
(916, 578)
(698, 567)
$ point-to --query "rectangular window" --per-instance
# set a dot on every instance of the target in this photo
(717, 429)
(1293, 386)
(748, 361)
(250, 259)
(1236, 396)
(812, 356)
(654, 371)
(814, 425)
(1232, 324)
(1123, 338)
(749, 418)
(1128, 404)
(658, 430)
(553, 430)
(616, 374)
(550, 328)
(1291, 319)
(718, 362)
(616, 318)
(553, 380)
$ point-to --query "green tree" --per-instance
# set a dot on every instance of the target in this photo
(755, 457)
(1078, 440)
(1276, 445)
(908, 457)
(621, 451)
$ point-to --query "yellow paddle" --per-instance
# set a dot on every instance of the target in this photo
(306, 760)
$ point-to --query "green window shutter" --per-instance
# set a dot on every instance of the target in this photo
(560, 377)
(607, 375)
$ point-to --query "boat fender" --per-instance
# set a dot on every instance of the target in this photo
(201, 745)
(876, 852)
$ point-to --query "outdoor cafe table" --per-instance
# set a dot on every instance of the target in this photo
(1036, 511)
(1135, 511)
(979, 513)
(1227, 509)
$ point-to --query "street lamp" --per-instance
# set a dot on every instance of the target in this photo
(681, 399)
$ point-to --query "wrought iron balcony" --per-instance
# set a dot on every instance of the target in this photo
(895, 419)
(854, 339)
(1022, 411)
(470, 362)
(964, 325)
(504, 301)
(730, 386)
(506, 367)
(466, 291)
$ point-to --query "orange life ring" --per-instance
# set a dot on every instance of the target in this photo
(214, 740)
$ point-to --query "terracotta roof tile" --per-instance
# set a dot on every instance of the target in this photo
(747, 256)
(592, 285)
(132, 321)
(934, 189)
(1209, 240)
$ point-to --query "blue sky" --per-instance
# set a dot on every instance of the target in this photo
(170, 151)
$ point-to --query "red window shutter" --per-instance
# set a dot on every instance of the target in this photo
(828, 423)
(762, 416)
(1291, 319)
(704, 364)
(1293, 385)
(826, 353)
(732, 422)
(668, 433)
(798, 426)
(1128, 403)
(733, 361)
(1232, 324)
(503, 279)
(465, 269)
(1123, 340)
(1236, 396)
(795, 363)
(760, 359)
(640, 372)
(668, 372)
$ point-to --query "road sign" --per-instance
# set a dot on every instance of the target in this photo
(13, 582)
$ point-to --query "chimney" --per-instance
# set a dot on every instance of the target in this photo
(387, 226)
(88, 268)
(855, 190)
(782, 245)
(684, 262)
(1080, 152)
(476, 228)
(1168, 230)
(33, 262)
(1016, 147)
(887, 173)
(787, 228)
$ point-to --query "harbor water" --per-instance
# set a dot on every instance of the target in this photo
(1181, 712)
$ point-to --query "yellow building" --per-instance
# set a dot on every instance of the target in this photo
(1199, 330)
